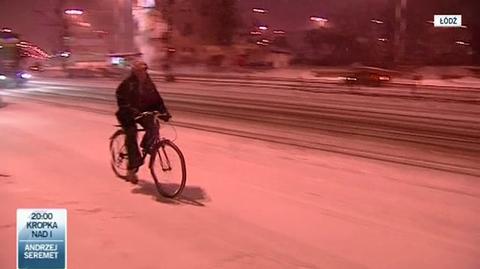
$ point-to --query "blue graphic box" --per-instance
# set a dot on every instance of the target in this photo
(41, 238)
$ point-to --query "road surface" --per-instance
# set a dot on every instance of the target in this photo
(249, 203)
(387, 127)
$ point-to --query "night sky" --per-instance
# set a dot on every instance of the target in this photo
(288, 15)
(20, 15)
(293, 15)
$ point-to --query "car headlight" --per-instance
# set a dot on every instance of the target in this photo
(3, 77)
(26, 76)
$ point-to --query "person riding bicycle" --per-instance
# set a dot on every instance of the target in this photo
(137, 94)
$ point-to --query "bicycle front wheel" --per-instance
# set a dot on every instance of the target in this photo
(119, 156)
(168, 169)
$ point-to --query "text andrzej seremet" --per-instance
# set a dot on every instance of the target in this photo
(41, 238)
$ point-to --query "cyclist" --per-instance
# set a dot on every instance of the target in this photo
(137, 94)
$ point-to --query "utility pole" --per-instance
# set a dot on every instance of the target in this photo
(167, 9)
(64, 36)
(123, 16)
(400, 30)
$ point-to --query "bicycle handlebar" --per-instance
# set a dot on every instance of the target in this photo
(162, 116)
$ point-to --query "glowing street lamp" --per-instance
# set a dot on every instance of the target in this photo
(74, 12)
(259, 10)
(84, 24)
(462, 43)
(376, 21)
(318, 19)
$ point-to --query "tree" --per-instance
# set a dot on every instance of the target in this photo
(470, 14)
(314, 39)
(423, 40)
(221, 19)
(344, 47)
(281, 42)
(55, 18)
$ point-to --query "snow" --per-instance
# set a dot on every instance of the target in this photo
(248, 204)
(465, 82)
(431, 76)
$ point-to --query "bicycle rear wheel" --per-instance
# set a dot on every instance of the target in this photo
(168, 169)
(118, 153)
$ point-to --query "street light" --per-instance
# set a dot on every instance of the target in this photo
(73, 12)
(376, 21)
(263, 27)
(259, 10)
(84, 24)
(318, 19)
(462, 43)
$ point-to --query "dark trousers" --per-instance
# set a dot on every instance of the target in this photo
(130, 127)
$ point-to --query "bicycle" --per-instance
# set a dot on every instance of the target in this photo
(160, 150)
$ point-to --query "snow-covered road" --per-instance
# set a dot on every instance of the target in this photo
(426, 133)
(248, 204)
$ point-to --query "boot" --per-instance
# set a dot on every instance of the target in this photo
(132, 176)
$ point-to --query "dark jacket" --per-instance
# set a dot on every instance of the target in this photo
(132, 102)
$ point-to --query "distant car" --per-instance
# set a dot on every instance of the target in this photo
(37, 67)
(367, 77)
(17, 79)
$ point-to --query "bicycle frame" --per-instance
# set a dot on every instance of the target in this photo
(155, 147)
